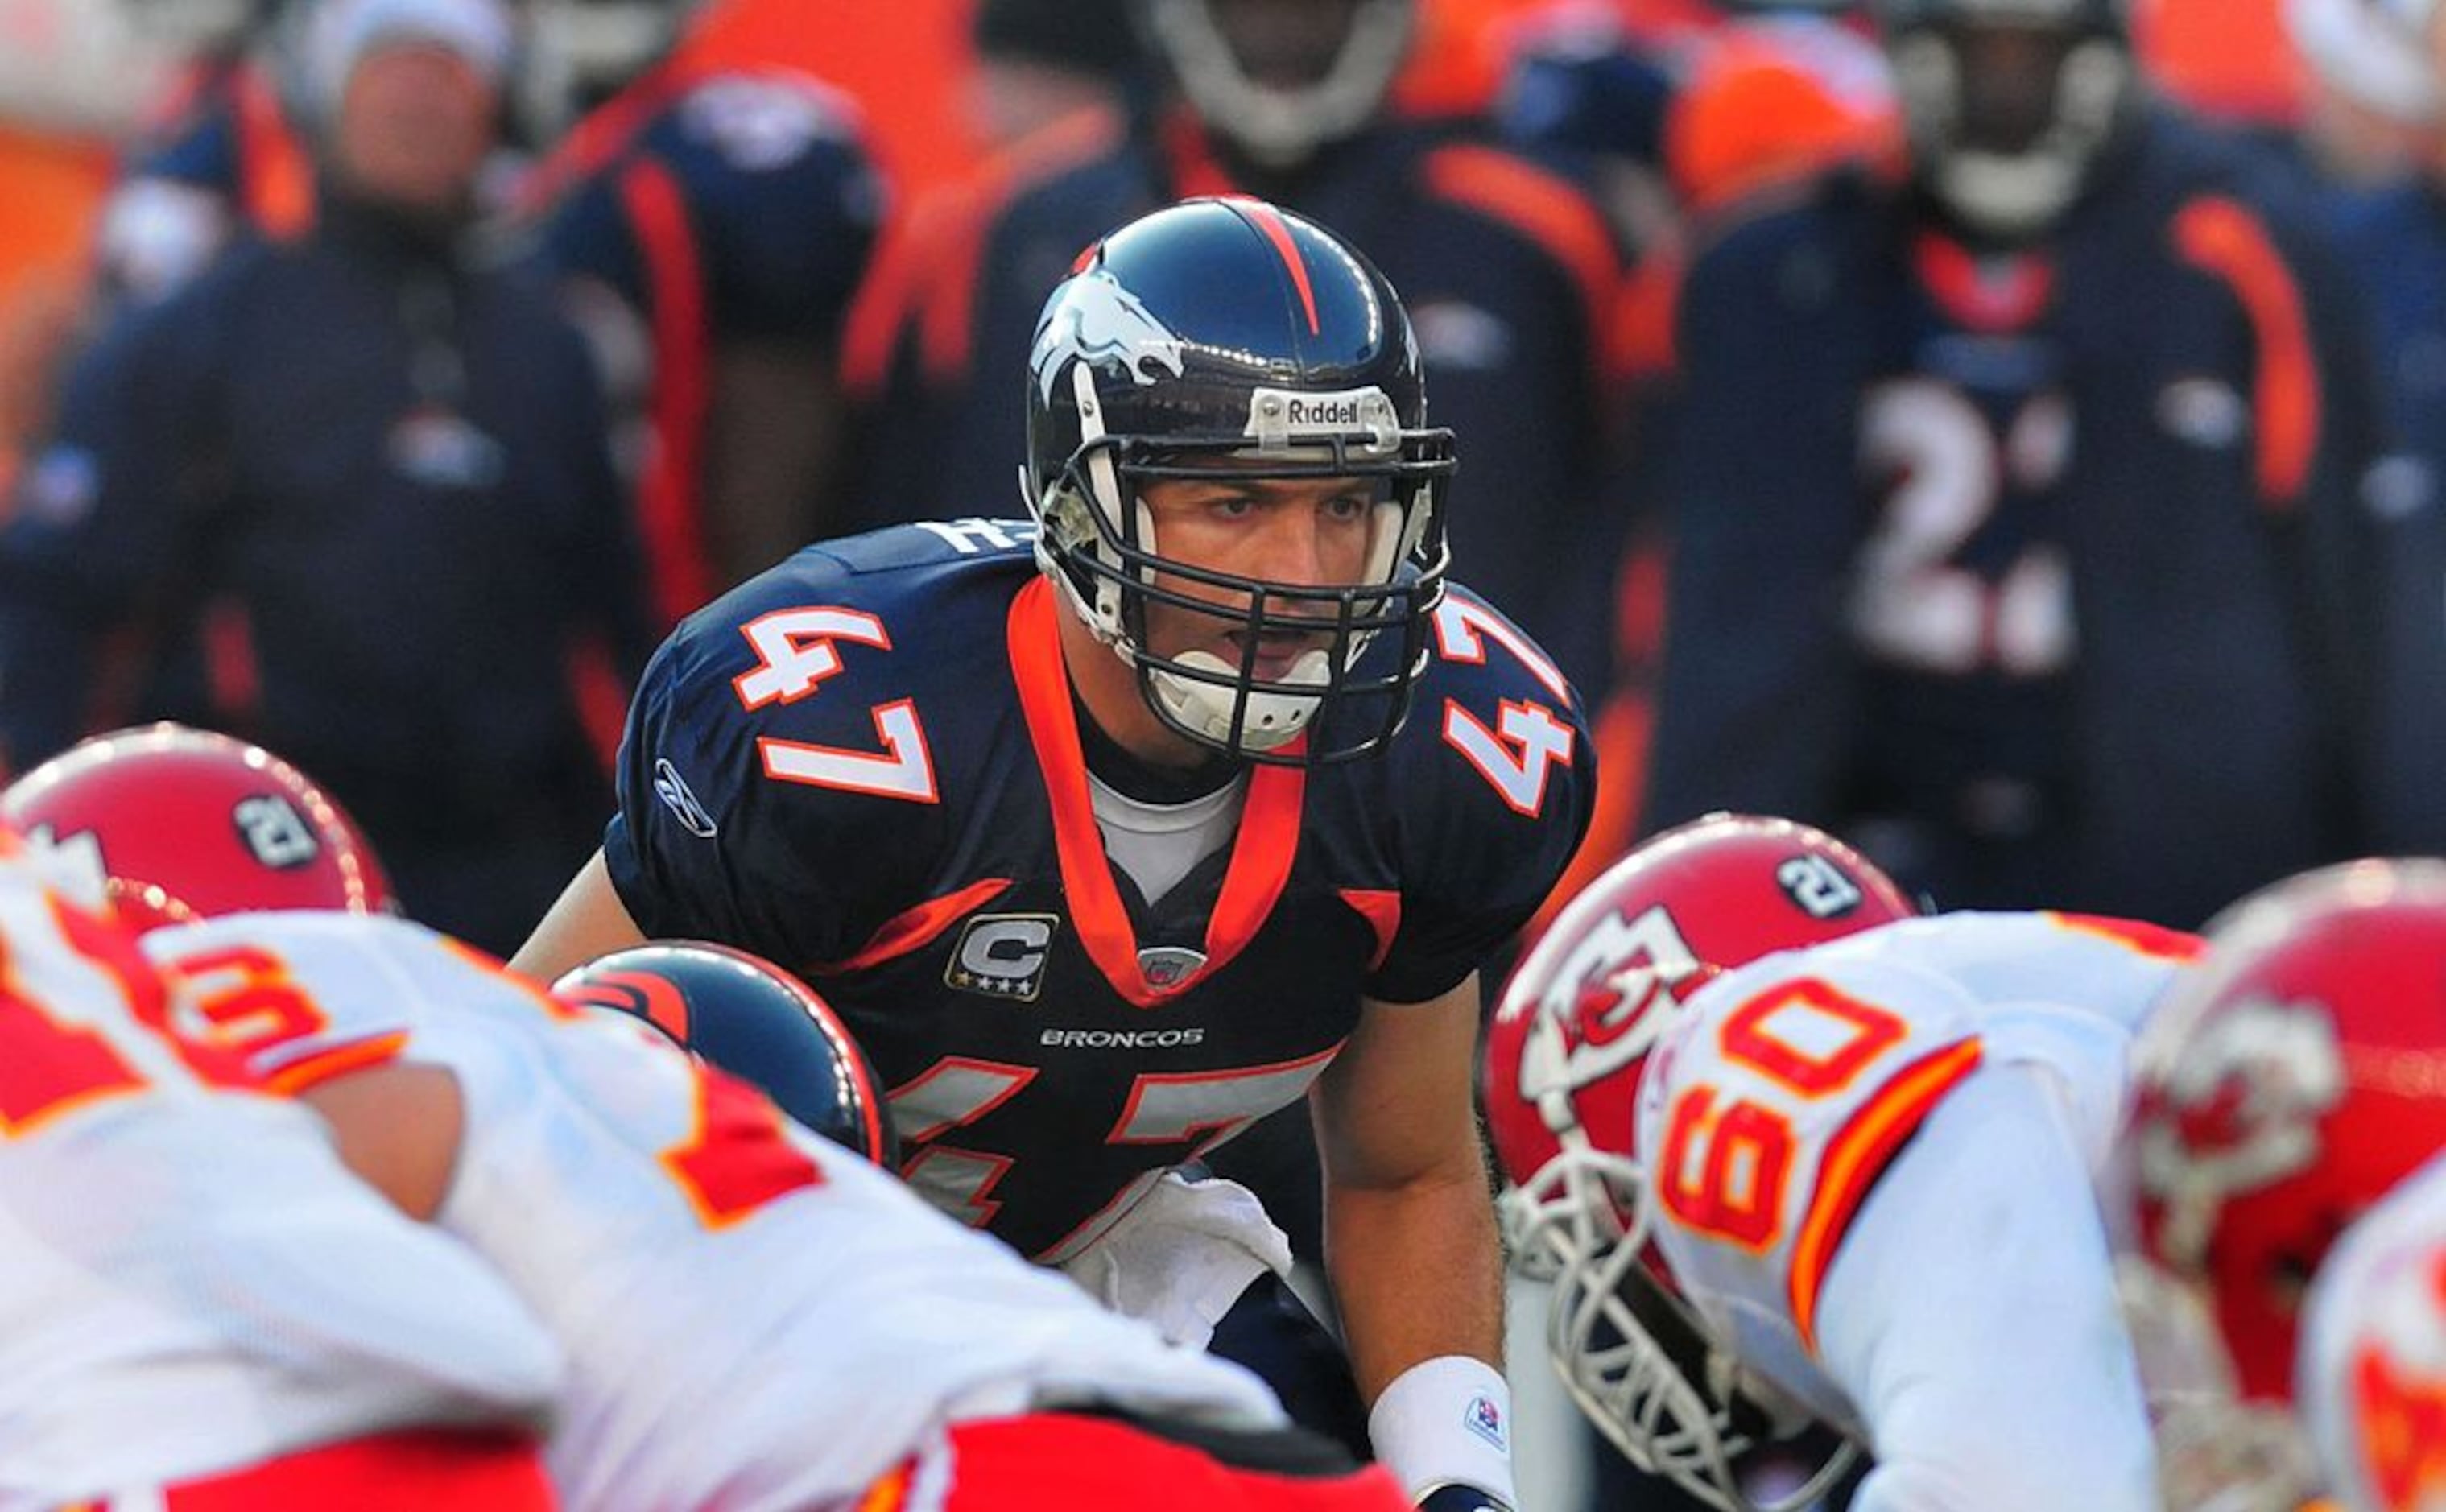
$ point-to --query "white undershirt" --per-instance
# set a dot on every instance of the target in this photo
(1158, 844)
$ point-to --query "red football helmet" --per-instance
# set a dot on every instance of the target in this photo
(743, 1014)
(1571, 1032)
(2285, 1086)
(187, 825)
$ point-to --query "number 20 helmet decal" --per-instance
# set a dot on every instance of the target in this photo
(187, 824)
(1226, 338)
(1571, 1033)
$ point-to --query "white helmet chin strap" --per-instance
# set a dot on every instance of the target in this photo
(1282, 128)
(1273, 719)
(2008, 194)
(2016, 195)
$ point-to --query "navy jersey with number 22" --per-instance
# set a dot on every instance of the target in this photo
(865, 765)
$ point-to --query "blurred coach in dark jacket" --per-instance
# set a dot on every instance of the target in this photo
(350, 495)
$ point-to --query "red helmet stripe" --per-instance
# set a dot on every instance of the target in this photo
(1278, 232)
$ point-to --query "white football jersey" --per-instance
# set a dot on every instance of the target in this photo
(754, 1317)
(190, 1280)
(2370, 1379)
(1779, 1118)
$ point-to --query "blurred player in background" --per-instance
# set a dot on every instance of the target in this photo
(352, 492)
(1793, 1156)
(710, 218)
(2053, 579)
(2291, 1119)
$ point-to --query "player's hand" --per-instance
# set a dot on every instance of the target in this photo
(1462, 1498)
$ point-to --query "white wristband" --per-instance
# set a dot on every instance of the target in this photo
(1445, 1422)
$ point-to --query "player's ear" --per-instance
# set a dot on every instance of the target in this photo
(398, 1129)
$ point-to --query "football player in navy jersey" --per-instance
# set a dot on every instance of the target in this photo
(1110, 831)
(2054, 577)
(712, 220)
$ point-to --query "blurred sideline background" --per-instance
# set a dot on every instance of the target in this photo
(58, 123)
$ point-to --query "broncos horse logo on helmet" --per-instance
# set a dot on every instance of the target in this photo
(1101, 322)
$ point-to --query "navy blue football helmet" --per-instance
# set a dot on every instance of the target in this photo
(1227, 336)
(744, 1015)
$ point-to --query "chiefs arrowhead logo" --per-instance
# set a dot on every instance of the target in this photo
(1609, 1002)
(2238, 1111)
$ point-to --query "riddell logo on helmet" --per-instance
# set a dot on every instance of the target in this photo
(1278, 417)
(1338, 411)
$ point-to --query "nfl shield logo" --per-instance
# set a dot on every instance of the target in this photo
(1486, 1420)
(1167, 967)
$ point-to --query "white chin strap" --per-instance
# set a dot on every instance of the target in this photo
(2012, 196)
(1284, 128)
(1273, 719)
(2017, 196)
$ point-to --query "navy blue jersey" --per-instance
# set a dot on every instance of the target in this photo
(772, 184)
(1961, 600)
(865, 765)
(721, 209)
(2394, 245)
(1509, 272)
